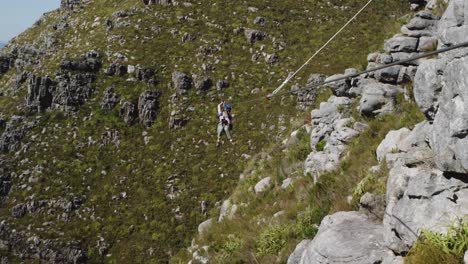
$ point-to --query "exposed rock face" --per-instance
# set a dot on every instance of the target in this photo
(6, 62)
(71, 4)
(73, 90)
(344, 237)
(306, 96)
(401, 44)
(129, 113)
(14, 132)
(40, 93)
(148, 107)
(253, 35)
(182, 82)
(332, 129)
(157, 2)
(48, 250)
(441, 93)
(89, 62)
(116, 69)
(110, 100)
(377, 98)
(263, 185)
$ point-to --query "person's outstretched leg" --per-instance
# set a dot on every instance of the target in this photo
(226, 129)
(219, 131)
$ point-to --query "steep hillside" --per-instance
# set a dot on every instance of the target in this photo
(108, 115)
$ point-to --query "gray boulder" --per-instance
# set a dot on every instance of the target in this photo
(449, 139)
(388, 75)
(182, 82)
(19, 210)
(39, 95)
(148, 107)
(295, 257)
(339, 88)
(253, 35)
(427, 44)
(421, 197)
(306, 95)
(72, 90)
(129, 113)
(391, 142)
(428, 86)
(401, 44)
(205, 226)
(110, 100)
(419, 23)
(263, 185)
(377, 98)
(345, 237)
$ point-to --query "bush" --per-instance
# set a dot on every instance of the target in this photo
(272, 240)
(321, 145)
(441, 248)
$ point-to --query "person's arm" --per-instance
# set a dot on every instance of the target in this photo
(220, 113)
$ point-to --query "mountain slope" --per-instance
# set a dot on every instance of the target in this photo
(121, 172)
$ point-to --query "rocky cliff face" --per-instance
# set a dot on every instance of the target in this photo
(107, 117)
(426, 187)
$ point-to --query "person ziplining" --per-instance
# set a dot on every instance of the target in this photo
(225, 121)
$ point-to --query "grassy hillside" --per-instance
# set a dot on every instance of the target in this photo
(126, 187)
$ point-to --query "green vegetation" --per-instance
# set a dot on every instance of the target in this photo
(147, 225)
(434, 247)
(268, 235)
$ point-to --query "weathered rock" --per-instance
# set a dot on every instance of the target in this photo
(6, 62)
(157, 2)
(18, 210)
(72, 90)
(39, 95)
(427, 44)
(373, 206)
(15, 130)
(377, 98)
(129, 113)
(262, 185)
(205, 226)
(182, 82)
(116, 69)
(421, 197)
(428, 86)
(401, 44)
(260, 20)
(144, 74)
(418, 23)
(89, 62)
(71, 4)
(306, 96)
(388, 75)
(339, 88)
(227, 210)
(295, 257)
(345, 237)
(110, 100)
(391, 142)
(148, 107)
(253, 35)
(202, 83)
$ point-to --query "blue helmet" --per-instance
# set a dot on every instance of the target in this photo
(227, 107)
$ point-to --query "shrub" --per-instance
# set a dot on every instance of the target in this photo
(272, 240)
(321, 145)
(434, 247)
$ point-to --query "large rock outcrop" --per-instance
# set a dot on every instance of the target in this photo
(344, 237)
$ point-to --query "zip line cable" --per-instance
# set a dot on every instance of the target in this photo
(319, 50)
(350, 76)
